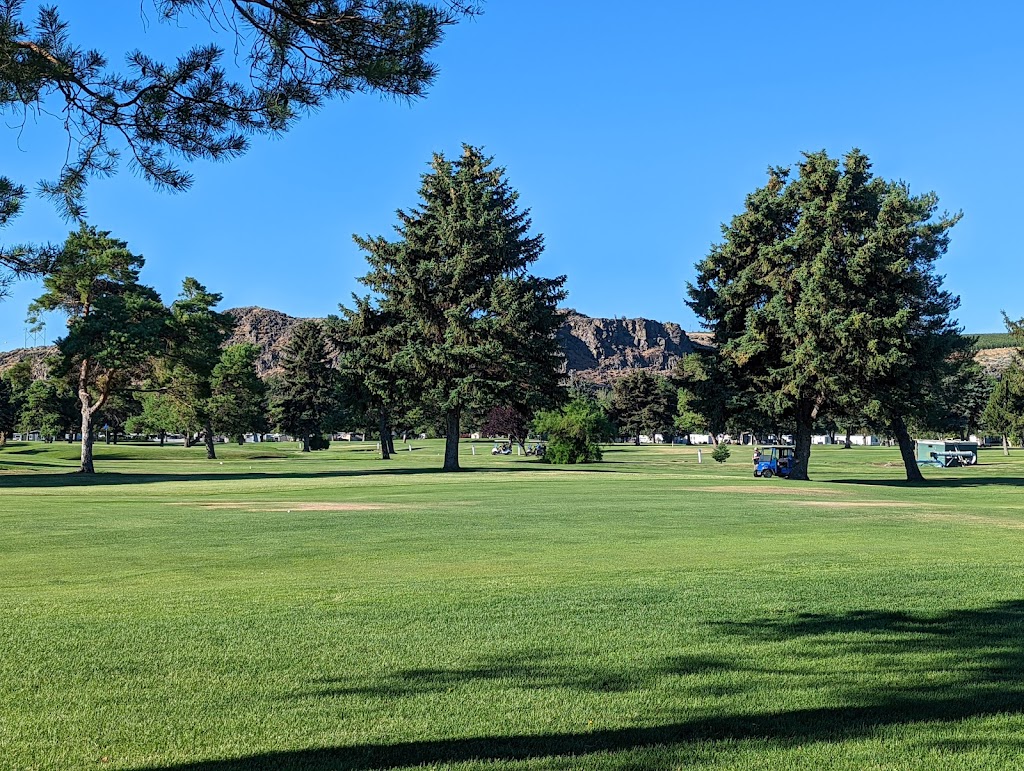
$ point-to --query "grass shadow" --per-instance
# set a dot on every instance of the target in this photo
(72, 478)
(934, 483)
(981, 652)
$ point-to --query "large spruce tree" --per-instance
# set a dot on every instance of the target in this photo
(823, 293)
(476, 328)
(306, 397)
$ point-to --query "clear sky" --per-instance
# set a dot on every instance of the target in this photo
(632, 130)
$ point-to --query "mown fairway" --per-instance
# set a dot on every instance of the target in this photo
(336, 612)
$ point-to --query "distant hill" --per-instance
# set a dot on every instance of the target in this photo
(596, 350)
(994, 340)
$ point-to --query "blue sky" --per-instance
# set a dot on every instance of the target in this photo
(631, 130)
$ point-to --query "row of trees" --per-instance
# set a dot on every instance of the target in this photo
(454, 325)
(130, 364)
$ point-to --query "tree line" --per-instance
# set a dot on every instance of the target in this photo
(827, 313)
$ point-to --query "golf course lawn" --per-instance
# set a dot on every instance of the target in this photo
(334, 611)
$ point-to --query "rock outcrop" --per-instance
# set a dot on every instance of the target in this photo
(596, 350)
(269, 330)
(35, 355)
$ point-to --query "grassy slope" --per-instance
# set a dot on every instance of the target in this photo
(994, 340)
(647, 612)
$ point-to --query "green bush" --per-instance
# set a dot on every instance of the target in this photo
(319, 442)
(572, 451)
(573, 432)
(721, 453)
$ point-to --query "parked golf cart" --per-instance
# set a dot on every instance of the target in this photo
(502, 448)
(774, 460)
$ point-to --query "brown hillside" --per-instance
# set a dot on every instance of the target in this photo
(596, 350)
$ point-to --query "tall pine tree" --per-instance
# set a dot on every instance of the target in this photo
(306, 398)
(197, 332)
(477, 328)
(115, 324)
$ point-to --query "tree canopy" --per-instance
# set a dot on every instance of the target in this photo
(475, 327)
(305, 401)
(288, 58)
(823, 295)
(115, 324)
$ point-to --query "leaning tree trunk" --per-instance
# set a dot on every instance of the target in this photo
(907, 450)
(211, 452)
(451, 441)
(391, 440)
(385, 434)
(1006, 446)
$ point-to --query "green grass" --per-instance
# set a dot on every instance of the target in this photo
(275, 611)
(994, 340)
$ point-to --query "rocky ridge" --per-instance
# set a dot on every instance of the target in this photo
(597, 350)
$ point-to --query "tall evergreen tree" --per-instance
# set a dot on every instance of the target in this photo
(1004, 413)
(196, 333)
(115, 324)
(477, 329)
(374, 387)
(643, 403)
(306, 400)
(239, 401)
(823, 292)
(8, 411)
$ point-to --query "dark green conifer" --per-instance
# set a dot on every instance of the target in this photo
(476, 329)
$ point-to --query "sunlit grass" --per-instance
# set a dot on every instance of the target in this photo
(331, 611)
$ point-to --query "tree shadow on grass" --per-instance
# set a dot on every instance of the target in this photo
(934, 483)
(531, 670)
(978, 653)
(73, 479)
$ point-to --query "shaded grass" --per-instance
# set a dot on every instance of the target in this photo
(624, 615)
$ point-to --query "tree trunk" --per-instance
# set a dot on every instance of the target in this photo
(241, 439)
(162, 435)
(305, 442)
(846, 442)
(802, 451)
(636, 440)
(385, 433)
(86, 466)
(451, 441)
(1006, 446)
(907, 451)
(211, 452)
(391, 441)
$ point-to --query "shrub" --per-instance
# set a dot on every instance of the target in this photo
(319, 442)
(573, 432)
(721, 453)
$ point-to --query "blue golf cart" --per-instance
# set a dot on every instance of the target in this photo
(774, 460)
